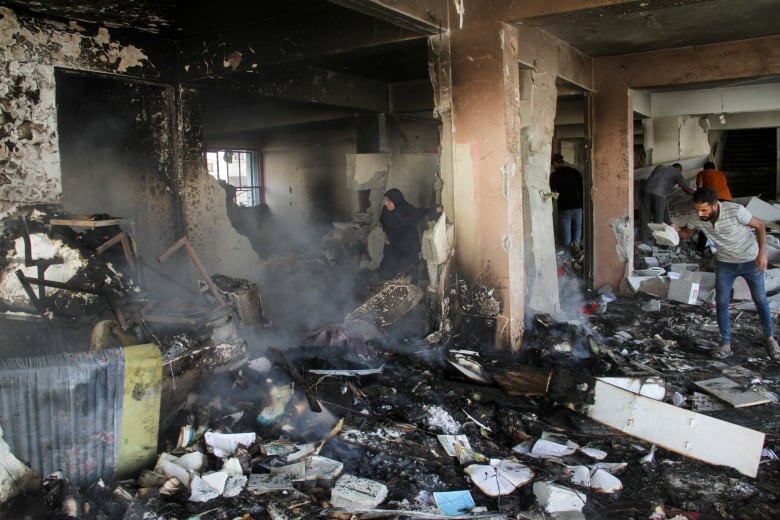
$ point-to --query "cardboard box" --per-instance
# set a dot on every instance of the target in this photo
(681, 268)
(683, 291)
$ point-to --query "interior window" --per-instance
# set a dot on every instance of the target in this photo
(239, 169)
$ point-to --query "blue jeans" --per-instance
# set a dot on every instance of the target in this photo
(725, 274)
(570, 225)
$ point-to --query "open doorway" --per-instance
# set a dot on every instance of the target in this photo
(571, 140)
(116, 155)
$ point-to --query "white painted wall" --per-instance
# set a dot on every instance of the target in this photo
(731, 100)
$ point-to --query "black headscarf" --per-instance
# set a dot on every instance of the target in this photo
(400, 226)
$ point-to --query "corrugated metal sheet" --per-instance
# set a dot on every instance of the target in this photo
(62, 412)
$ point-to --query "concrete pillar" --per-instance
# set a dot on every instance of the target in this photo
(487, 205)
(612, 179)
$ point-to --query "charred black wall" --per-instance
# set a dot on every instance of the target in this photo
(116, 158)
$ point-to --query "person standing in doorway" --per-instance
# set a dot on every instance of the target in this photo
(740, 242)
(653, 206)
(566, 183)
(399, 220)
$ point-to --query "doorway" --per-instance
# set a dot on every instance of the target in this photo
(116, 149)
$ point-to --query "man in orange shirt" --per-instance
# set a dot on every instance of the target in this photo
(714, 179)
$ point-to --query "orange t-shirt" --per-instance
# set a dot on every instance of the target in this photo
(716, 180)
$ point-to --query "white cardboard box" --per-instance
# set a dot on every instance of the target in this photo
(683, 291)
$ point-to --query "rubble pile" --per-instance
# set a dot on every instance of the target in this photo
(613, 409)
(399, 432)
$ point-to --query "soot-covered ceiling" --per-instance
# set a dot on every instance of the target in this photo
(642, 26)
(400, 57)
(400, 53)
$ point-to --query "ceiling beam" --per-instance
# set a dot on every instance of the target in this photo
(413, 15)
(304, 39)
(307, 85)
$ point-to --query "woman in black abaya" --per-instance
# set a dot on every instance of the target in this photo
(399, 221)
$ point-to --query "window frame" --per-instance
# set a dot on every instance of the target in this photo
(250, 186)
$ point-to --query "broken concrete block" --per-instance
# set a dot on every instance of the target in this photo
(232, 466)
(683, 291)
(760, 209)
(554, 498)
(353, 492)
(375, 244)
(644, 248)
(664, 234)
(772, 280)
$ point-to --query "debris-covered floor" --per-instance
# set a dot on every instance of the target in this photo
(373, 417)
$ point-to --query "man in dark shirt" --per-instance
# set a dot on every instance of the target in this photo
(653, 206)
(567, 183)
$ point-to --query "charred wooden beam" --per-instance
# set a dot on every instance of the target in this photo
(185, 243)
(122, 238)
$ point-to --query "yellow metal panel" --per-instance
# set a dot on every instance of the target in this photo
(140, 409)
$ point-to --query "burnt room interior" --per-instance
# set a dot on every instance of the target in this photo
(195, 317)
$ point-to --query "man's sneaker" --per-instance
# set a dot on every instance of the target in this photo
(772, 348)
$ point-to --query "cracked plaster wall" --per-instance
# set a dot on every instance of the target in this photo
(538, 114)
(219, 246)
(30, 157)
(674, 138)
(29, 52)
